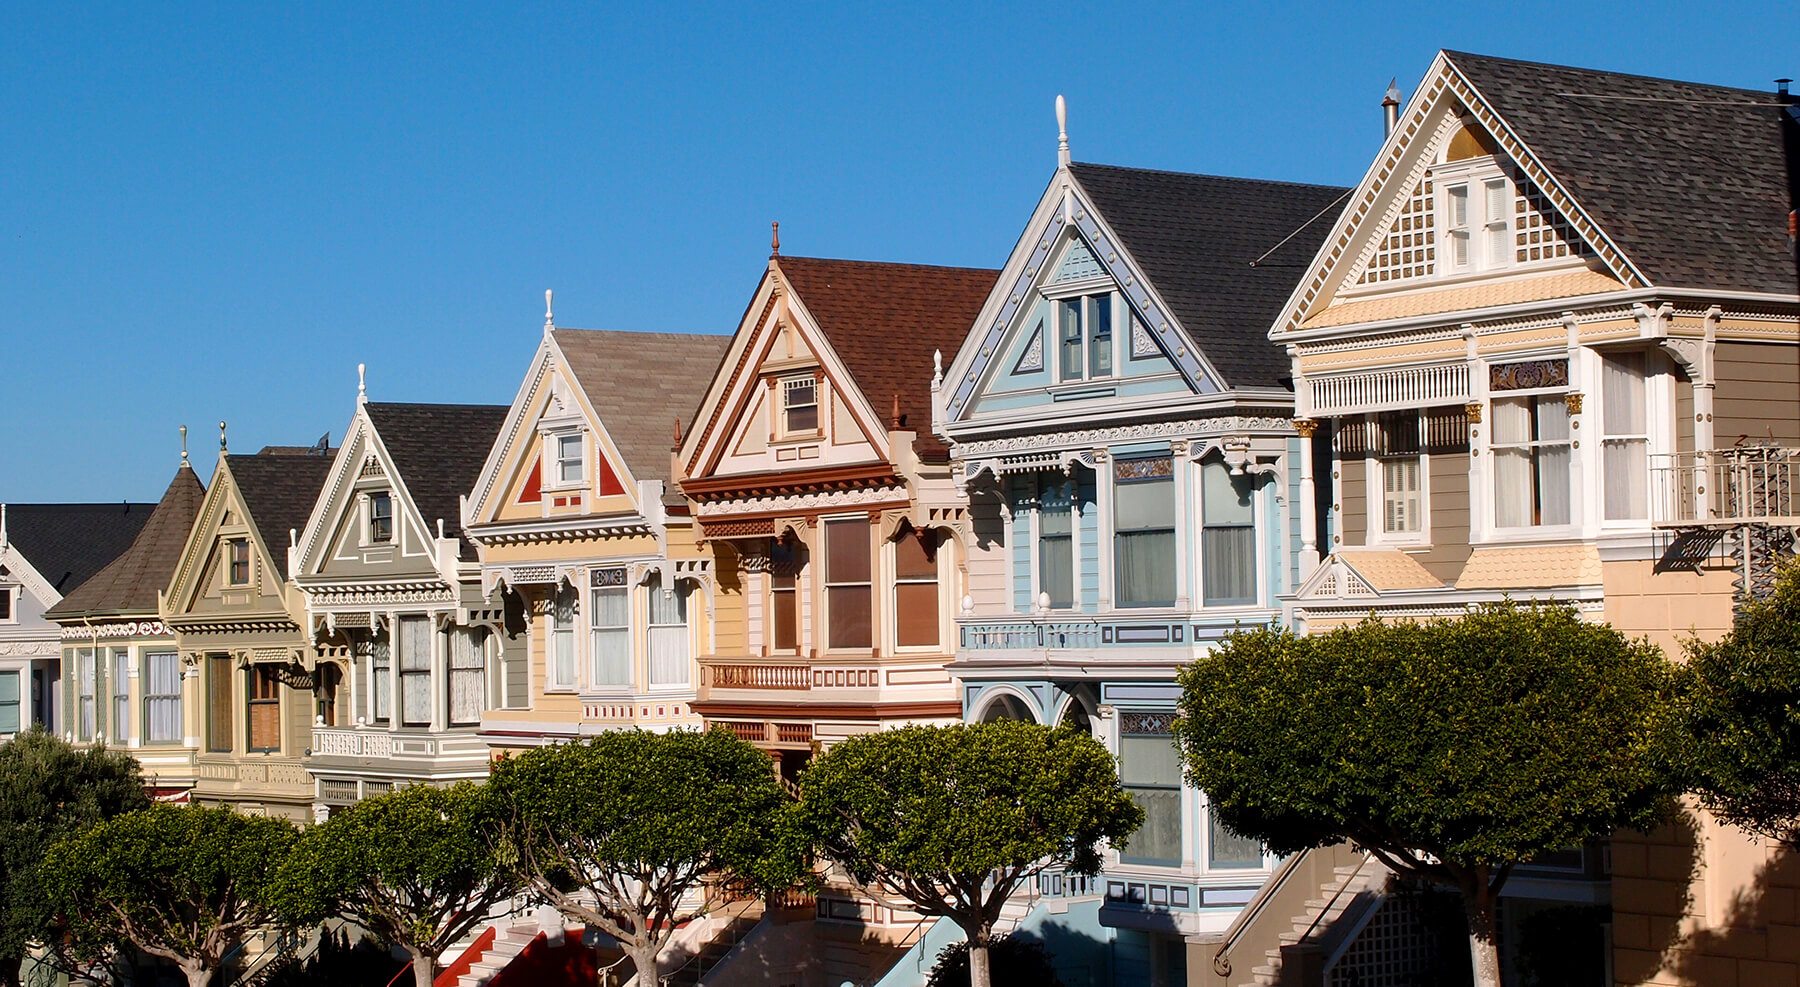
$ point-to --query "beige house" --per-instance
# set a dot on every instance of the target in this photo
(1550, 350)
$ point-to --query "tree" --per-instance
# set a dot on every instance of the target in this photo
(620, 832)
(955, 819)
(1452, 750)
(186, 883)
(413, 867)
(1742, 716)
(48, 790)
(1013, 962)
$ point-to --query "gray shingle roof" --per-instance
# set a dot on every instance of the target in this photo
(640, 383)
(279, 490)
(439, 450)
(68, 543)
(1691, 181)
(129, 584)
(1195, 237)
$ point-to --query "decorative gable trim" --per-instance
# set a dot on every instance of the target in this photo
(20, 568)
(1335, 579)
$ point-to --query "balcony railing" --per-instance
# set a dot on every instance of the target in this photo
(1031, 634)
(741, 676)
(329, 742)
(1726, 487)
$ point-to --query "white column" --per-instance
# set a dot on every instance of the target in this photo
(193, 705)
(1103, 494)
(440, 677)
(134, 697)
(1186, 507)
(1309, 519)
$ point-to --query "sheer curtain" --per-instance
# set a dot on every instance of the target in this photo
(1625, 460)
(468, 674)
(121, 687)
(1056, 556)
(610, 619)
(1227, 536)
(669, 661)
(562, 641)
(84, 715)
(1553, 461)
(381, 663)
(415, 671)
(1144, 546)
(1150, 768)
(1513, 496)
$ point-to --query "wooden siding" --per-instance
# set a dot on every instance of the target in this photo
(1448, 486)
(1758, 393)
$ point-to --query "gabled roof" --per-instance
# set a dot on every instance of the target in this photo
(438, 450)
(278, 488)
(1196, 237)
(1690, 181)
(129, 583)
(884, 321)
(640, 384)
(68, 543)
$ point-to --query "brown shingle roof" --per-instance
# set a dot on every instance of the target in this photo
(279, 490)
(640, 383)
(129, 584)
(68, 543)
(438, 450)
(884, 321)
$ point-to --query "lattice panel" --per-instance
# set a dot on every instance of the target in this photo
(1394, 950)
(1539, 231)
(1410, 248)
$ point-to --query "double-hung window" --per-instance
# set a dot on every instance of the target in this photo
(799, 406)
(1227, 536)
(609, 626)
(218, 703)
(1625, 446)
(1532, 454)
(1398, 450)
(381, 670)
(1144, 532)
(162, 698)
(561, 671)
(1150, 768)
(1226, 849)
(1085, 336)
(264, 709)
(1478, 216)
(667, 636)
(916, 589)
(414, 638)
(381, 518)
(10, 719)
(569, 459)
(120, 727)
(6, 605)
(468, 675)
(785, 561)
(238, 551)
(1056, 544)
(86, 675)
(848, 584)
(325, 689)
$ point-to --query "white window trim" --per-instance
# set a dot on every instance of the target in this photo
(551, 685)
(12, 611)
(890, 579)
(1084, 288)
(1493, 532)
(692, 627)
(1261, 527)
(585, 655)
(1034, 527)
(780, 431)
(551, 478)
(1474, 175)
(822, 588)
(1659, 419)
(1375, 492)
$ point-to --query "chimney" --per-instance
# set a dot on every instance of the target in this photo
(1390, 107)
(1781, 90)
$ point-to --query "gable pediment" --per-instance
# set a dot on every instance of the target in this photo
(365, 523)
(206, 582)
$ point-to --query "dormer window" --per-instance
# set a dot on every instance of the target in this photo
(6, 605)
(381, 517)
(799, 406)
(237, 571)
(1085, 336)
(569, 466)
(1479, 219)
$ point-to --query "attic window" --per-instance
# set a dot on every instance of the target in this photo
(6, 604)
(799, 406)
(381, 517)
(569, 467)
(238, 552)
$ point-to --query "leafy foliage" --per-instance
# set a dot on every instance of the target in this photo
(636, 820)
(931, 813)
(1016, 962)
(49, 790)
(412, 866)
(1743, 715)
(183, 883)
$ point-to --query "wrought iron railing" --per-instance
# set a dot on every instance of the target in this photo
(1726, 487)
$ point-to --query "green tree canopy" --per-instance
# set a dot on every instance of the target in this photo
(621, 831)
(1743, 715)
(955, 819)
(185, 883)
(413, 867)
(1452, 749)
(49, 790)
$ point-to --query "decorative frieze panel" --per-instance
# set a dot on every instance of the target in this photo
(129, 628)
(1528, 374)
(1405, 387)
(807, 503)
(1099, 438)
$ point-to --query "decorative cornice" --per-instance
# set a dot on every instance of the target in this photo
(125, 628)
(799, 503)
(546, 530)
(788, 482)
(1094, 438)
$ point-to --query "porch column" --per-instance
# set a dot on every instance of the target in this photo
(1187, 508)
(1309, 513)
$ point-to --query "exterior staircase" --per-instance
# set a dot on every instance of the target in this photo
(1300, 957)
(506, 945)
(714, 950)
(1296, 922)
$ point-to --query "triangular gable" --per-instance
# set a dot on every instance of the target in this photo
(1335, 579)
(332, 534)
(223, 515)
(1368, 244)
(779, 338)
(1067, 242)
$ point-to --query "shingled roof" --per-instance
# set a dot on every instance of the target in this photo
(438, 450)
(1196, 237)
(1690, 181)
(129, 584)
(279, 490)
(884, 321)
(68, 543)
(640, 383)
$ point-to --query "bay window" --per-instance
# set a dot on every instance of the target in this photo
(667, 637)
(162, 698)
(414, 638)
(848, 584)
(468, 674)
(1532, 455)
(1144, 532)
(381, 666)
(561, 659)
(1625, 444)
(1226, 849)
(1227, 536)
(1150, 768)
(916, 589)
(1056, 544)
(263, 709)
(609, 628)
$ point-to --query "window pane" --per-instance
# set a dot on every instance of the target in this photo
(120, 728)
(916, 614)
(162, 706)
(1459, 206)
(611, 607)
(1625, 472)
(1100, 341)
(1225, 499)
(9, 702)
(1513, 494)
(1069, 320)
(1056, 569)
(848, 607)
(381, 665)
(1145, 504)
(1552, 418)
(568, 458)
(1622, 394)
(1227, 849)
(218, 687)
(1149, 759)
(1158, 840)
(914, 556)
(787, 617)
(1146, 567)
(1228, 564)
(468, 674)
(847, 551)
(1401, 511)
(1553, 484)
(612, 656)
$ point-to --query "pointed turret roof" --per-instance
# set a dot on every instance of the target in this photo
(128, 585)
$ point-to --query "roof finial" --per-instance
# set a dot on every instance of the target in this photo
(775, 239)
(221, 436)
(549, 319)
(937, 369)
(897, 419)
(184, 459)
(362, 389)
(1062, 130)
(677, 444)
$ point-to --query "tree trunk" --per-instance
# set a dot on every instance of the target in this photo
(198, 975)
(644, 959)
(979, 974)
(9, 970)
(1484, 951)
(424, 968)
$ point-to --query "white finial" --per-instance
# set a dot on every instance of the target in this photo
(937, 369)
(549, 319)
(362, 386)
(1062, 130)
(221, 436)
(184, 459)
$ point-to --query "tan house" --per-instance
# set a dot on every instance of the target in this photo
(130, 685)
(1550, 350)
(575, 519)
(241, 621)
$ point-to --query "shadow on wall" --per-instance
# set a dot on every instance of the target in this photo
(1080, 959)
(1653, 890)
(1758, 939)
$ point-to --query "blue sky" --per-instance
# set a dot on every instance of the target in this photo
(217, 211)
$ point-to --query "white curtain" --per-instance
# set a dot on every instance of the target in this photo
(1513, 497)
(1150, 767)
(668, 639)
(1144, 548)
(121, 687)
(610, 619)
(1554, 459)
(381, 664)
(1056, 556)
(562, 635)
(162, 707)
(1625, 460)
(85, 673)
(415, 670)
(468, 674)
(1227, 536)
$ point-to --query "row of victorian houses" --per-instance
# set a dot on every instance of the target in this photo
(1184, 404)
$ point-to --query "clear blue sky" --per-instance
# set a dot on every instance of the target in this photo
(217, 210)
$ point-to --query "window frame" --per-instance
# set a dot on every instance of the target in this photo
(148, 676)
(87, 694)
(1173, 528)
(1087, 303)
(611, 581)
(848, 587)
(257, 676)
(234, 546)
(1067, 485)
(561, 641)
(891, 559)
(16, 703)
(556, 463)
(1651, 406)
(1206, 524)
(1494, 448)
(404, 673)
(381, 675)
(1473, 178)
(1376, 458)
(684, 591)
(9, 604)
(221, 737)
(1177, 786)
(119, 718)
(477, 637)
(786, 584)
(380, 530)
(785, 386)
